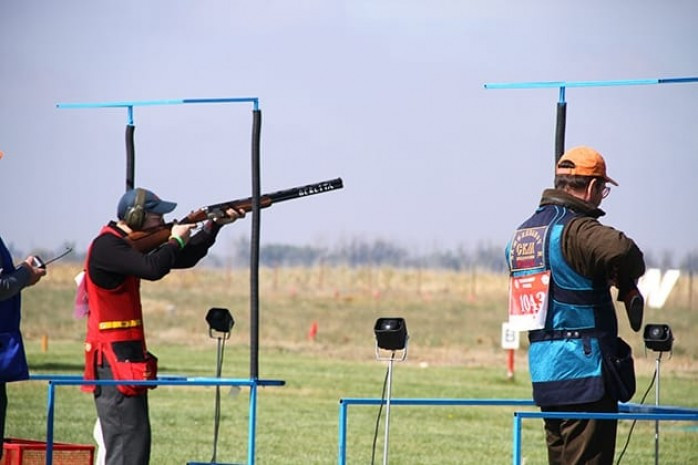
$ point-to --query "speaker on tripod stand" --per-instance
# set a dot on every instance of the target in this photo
(391, 345)
(220, 324)
(659, 338)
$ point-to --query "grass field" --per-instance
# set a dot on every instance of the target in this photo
(454, 324)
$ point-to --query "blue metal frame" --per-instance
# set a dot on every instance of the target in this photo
(139, 103)
(562, 85)
(254, 240)
(345, 403)
(656, 415)
(618, 82)
(253, 381)
(562, 106)
(629, 412)
(74, 380)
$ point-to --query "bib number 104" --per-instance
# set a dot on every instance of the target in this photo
(528, 301)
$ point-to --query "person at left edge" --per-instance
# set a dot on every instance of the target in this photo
(115, 346)
(13, 363)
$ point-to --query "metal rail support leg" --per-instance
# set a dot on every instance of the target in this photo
(387, 412)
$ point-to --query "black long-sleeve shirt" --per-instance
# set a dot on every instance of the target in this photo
(112, 259)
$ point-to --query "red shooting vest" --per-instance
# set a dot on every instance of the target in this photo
(114, 315)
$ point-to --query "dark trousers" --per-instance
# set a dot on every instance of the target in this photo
(581, 442)
(125, 423)
(3, 414)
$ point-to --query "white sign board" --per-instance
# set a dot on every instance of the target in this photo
(656, 288)
(510, 337)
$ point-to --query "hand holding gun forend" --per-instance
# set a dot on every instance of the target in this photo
(149, 239)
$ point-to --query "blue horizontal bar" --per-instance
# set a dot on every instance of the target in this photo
(678, 80)
(221, 100)
(211, 463)
(53, 377)
(164, 381)
(623, 407)
(137, 103)
(610, 416)
(437, 402)
(623, 82)
(539, 85)
(650, 408)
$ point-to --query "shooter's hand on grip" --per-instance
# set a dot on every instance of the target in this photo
(181, 233)
(231, 214)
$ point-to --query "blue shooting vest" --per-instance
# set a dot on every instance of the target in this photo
(565, 357)
(13, 363)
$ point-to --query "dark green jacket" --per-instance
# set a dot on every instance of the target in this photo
(592, 249)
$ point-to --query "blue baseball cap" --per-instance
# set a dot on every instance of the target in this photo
(152, 203)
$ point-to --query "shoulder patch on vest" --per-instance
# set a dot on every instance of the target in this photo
(528, 249)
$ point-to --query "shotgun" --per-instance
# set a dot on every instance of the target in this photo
(149, 239)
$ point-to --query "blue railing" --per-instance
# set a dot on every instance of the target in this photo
(627, 412)
(146, 103)
(562, 85)
(74, 380)
(345, 403)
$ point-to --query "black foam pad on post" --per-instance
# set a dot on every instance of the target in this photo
(560, 124)
(254, 245)
(130, 157)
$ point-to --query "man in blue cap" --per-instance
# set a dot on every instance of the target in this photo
(115, 345)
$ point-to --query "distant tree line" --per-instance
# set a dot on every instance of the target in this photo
(370, 252)
(380, 252)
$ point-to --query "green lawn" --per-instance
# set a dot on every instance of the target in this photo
(454, 321)
(298, 423)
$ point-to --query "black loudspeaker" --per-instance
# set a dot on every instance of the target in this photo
(391, 333)
(135, 214)
(220, 320)
(658, 337)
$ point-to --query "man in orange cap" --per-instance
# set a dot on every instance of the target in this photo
(562, 263)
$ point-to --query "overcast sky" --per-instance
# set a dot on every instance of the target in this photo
(387, 94)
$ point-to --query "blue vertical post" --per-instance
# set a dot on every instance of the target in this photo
(252, 424)
(49, 423)
(342, 457)
(517, 440)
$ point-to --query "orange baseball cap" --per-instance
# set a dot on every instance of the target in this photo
(583, 161)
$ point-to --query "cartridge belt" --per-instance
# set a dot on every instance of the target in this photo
(557, 334)
(119, 324)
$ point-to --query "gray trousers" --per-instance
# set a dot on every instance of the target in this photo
(125, 423)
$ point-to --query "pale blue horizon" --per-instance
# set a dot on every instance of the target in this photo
(387, 95)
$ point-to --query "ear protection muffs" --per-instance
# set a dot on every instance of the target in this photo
(135, 214)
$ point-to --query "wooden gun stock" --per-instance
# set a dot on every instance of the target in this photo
(149, 239)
